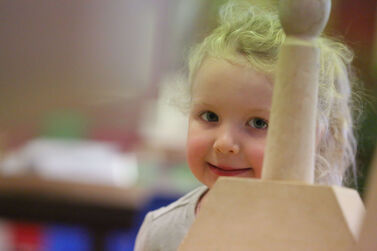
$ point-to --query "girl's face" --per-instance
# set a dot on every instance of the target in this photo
(228, 121)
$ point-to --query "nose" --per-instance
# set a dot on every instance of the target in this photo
(226, 143)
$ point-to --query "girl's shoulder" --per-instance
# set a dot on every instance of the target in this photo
(187, 201)
(165, 228)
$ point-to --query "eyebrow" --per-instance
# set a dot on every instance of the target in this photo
(259, 110)
(249, 110)
(201, 103)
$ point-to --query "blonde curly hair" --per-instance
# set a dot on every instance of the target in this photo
(256, 34)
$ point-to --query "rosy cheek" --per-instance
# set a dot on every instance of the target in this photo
(195, 148)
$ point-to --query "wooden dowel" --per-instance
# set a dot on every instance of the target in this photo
(291, 136)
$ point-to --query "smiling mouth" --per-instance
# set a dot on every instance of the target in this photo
(225, 171)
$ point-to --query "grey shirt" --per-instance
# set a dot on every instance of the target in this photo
(165, 228)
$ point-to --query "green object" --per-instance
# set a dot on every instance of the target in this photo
(64, 124)
(182, 178)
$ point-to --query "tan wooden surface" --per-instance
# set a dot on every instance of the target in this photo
(250, 214)
(76, 192)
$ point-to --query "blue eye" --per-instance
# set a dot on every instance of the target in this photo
(209, 116)
(258, 123)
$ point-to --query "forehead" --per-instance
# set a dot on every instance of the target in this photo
(220, 80)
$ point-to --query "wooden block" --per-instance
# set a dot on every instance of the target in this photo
(249, 214)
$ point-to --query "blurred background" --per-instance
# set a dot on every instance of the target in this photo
(89, 140)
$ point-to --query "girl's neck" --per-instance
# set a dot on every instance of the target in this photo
(199, 203)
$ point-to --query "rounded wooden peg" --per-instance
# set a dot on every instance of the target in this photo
(304, 18)
(290, 150)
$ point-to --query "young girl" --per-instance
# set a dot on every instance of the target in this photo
(231, 75)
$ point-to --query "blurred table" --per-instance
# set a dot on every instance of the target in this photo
(96, 207)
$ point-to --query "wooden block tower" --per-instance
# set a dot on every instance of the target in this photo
(284, 210)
